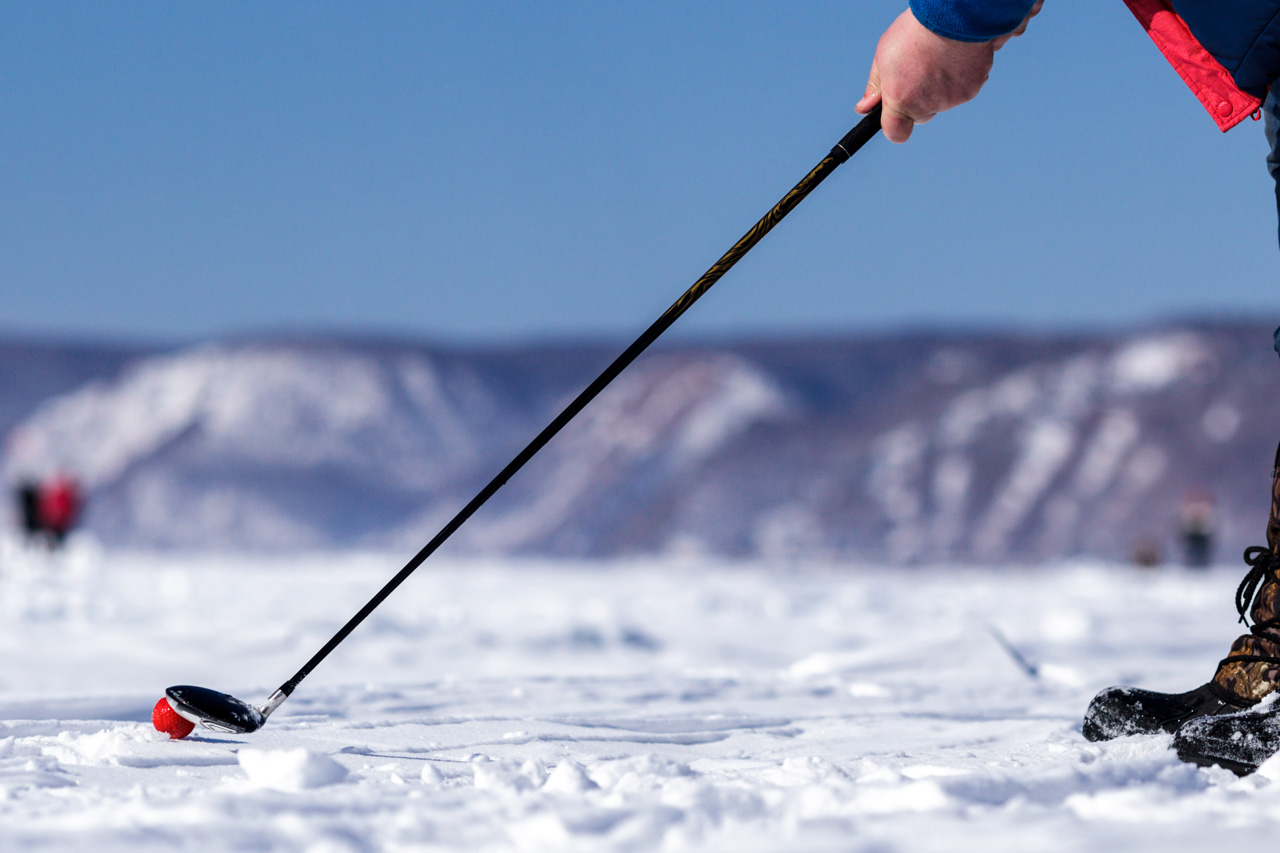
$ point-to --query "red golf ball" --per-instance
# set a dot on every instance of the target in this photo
(169, 721)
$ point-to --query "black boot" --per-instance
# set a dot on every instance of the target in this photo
(1249, 673)
(1238, 742)
(1120, 711)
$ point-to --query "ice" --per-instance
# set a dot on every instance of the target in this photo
(771, 707)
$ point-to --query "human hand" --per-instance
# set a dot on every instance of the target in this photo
(917, 74)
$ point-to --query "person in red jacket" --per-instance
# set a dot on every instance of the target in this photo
(59, 508)
(936, 56)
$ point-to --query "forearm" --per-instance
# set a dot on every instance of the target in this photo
(971, 20)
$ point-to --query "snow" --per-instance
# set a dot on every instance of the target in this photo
(1115, 435)
(290, 769)
(1155, 362)
(674, 704)
(896, 462)
(255, 403)
(667, 413)
(1045, 448)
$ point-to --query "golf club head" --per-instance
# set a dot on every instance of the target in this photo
(215, 710)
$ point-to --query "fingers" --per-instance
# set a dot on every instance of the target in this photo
(872, 96)
(895, 124)
(917, 74)
(867, 104)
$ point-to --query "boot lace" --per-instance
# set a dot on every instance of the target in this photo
(1262, 567)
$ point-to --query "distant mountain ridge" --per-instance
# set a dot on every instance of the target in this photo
(906, 448)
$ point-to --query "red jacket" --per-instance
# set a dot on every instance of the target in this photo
(59, 506)
(1244, 34)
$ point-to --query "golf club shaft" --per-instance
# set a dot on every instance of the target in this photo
(843, 150)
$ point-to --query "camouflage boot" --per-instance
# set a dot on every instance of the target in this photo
(1249, 672)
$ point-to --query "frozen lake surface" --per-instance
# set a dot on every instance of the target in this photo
(670, 705)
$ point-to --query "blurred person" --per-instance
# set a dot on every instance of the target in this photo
(1146, 553)
(59, 508)
(27, 495)
(1195, 524)
(937, 55)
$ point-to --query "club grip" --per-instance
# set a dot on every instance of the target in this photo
(859, 136)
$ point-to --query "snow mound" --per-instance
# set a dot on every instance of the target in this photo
(290, 769)
(569, 778)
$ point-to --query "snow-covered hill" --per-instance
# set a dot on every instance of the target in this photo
(903, 448)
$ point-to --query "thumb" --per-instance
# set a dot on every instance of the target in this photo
(873, 94)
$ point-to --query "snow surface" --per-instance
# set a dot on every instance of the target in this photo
(648, 705)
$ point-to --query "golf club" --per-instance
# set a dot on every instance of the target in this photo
(224, 713)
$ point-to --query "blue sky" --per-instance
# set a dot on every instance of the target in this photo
(502, 171)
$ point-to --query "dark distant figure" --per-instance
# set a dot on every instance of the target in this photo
(1147, 554)
(59, 508)
(28, 497)
(1197, 529)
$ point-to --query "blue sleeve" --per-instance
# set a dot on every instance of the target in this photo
(971, 20)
